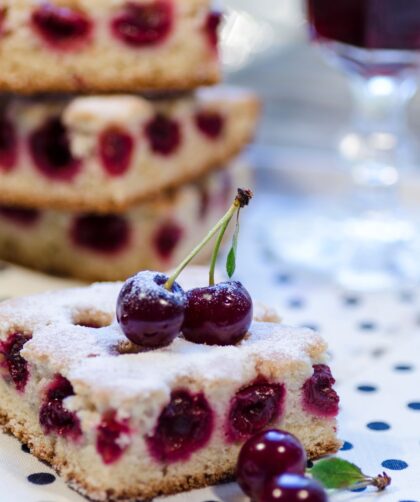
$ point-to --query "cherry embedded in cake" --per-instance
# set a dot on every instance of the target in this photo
(212, 28)
(54, 417)
(116, 149)
(164, 135)
(184, 426)
(318, 393)
(210, 124)
(61, 27)
(8, 144)
(112, 437)
(253, 409)
(143, 24)
(50, 149)
(107, 234)
(15, 366)
(21, 216)
(167, 238)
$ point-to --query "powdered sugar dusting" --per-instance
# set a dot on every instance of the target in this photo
(89, 357)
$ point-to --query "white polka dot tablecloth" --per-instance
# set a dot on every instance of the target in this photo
(375, 348)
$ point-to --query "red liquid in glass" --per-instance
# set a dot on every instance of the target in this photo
(368, 24)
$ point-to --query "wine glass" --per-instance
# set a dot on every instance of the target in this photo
(368, 241)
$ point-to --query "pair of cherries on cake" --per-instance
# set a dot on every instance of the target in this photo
(153, 309)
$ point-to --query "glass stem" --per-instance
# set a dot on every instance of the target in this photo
(376, 148)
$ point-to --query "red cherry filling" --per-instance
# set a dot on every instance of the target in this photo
(142, 25)
(20, 215)
(212, 28)
(53, 416)
(167, 238)
(8, 145)
(184, 426)
(101, 233)
(113, 438)
(15, 365)
(254, 408)
(164, 135)
(318, 395)
(116, 148)
(50, 149)
(61, 27)
(210, 124)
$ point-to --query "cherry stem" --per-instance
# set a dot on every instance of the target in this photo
(381, 482)
(241, 200)
(217, 249)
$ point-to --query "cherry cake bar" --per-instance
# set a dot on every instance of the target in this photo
(107, 45)
(155, 234)
(105, 153)
(121, 424)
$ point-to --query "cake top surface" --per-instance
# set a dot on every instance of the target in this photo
(65, 341)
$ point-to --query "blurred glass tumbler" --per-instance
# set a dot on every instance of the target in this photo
(377, 44)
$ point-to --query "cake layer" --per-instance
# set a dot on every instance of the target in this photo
(120, 424)
(156, 234)
(107, 45)
(105, 154)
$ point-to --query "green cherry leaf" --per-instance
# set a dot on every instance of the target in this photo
(231, 262)
(336, 473)
(231, 257)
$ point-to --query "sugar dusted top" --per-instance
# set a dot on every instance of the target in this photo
(101, 358)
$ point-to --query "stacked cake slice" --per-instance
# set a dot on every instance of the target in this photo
(95, 185)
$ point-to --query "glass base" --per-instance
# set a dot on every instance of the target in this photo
(370, 251)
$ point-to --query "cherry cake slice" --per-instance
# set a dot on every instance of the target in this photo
(108, 45)
(119, 423)
(155, 234)
(106, 153)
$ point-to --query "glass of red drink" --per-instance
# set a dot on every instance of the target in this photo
(374, 243)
